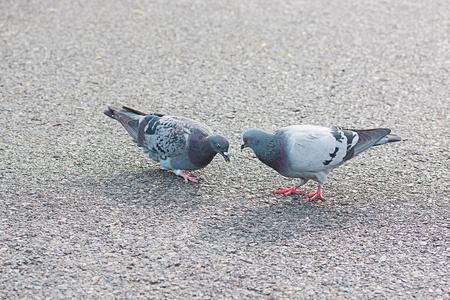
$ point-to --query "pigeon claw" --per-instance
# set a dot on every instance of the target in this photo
(316, 194)
(188, 178)
(286, 192)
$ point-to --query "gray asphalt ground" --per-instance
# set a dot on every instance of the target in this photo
(66, 170)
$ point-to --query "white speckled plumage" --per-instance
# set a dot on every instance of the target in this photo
(177, 143)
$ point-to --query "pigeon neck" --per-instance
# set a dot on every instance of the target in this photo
(201, 152)
(205, 146)
(270, 151)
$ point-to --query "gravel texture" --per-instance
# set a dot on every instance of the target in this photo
(66, 170)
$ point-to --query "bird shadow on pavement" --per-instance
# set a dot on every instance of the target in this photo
(149, 187)
(288, 219)
(229, 219)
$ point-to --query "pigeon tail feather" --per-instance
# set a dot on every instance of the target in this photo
(129, 120)
(132, 110)
(367, 139)
(111, 110)
(390, 138)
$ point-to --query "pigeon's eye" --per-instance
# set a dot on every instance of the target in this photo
(246, 139)
(217, 145)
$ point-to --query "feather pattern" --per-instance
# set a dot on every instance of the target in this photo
(311, 152)
(177, 143)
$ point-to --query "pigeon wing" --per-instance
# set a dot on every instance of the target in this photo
(315, 149)
(167, 136)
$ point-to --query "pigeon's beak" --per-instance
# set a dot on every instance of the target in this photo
(243, 146)
(226, 155)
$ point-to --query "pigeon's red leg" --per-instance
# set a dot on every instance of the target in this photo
(288, 191)
(188, 178)
(316, 194)
(293, 189)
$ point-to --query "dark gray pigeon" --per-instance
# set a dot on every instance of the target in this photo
(311, 152)
(176, 143)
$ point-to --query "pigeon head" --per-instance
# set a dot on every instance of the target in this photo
(253, 137)
(220, 145)
(266, 146)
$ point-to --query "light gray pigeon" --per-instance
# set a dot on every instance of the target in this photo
(311, 152)
(176, 143)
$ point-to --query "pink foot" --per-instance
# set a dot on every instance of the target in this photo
(188, 178)
(288, 191)
(316, 194)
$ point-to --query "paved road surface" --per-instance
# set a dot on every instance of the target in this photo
(66, 170)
